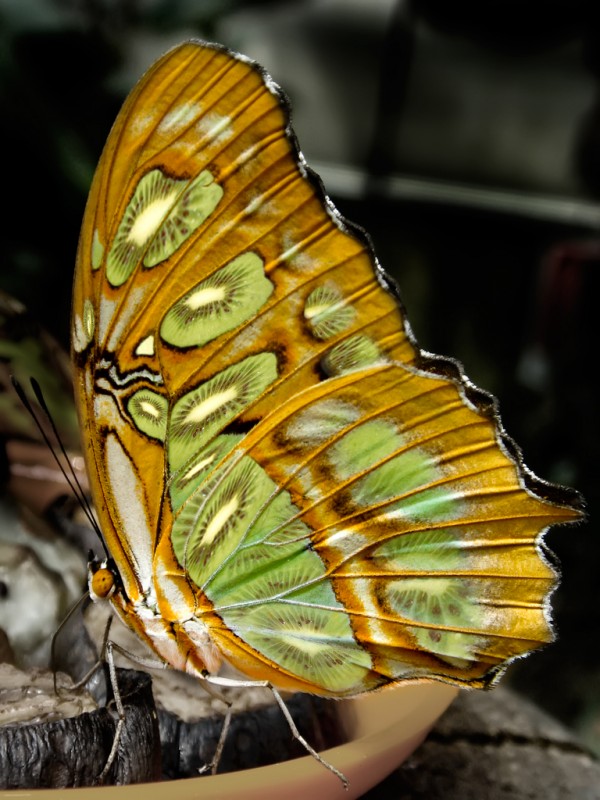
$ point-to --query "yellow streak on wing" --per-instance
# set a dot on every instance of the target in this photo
(145, 347)
(220, 519)
(211, 404)
(151, 218)
(149, 409)
(204, 297)
(198, 467)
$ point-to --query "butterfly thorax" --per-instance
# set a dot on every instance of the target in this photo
(168, 626)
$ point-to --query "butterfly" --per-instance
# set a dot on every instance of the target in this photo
(284, 480)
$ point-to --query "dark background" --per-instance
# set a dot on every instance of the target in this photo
(464, 136)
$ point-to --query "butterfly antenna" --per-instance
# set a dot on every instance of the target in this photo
(69, 474)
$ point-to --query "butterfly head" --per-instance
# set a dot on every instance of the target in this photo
(103, 578)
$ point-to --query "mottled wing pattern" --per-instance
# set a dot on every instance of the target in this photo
(261, 429)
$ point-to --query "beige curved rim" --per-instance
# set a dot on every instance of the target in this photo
(384, 729)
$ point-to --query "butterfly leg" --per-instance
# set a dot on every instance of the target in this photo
(101, 660)
(214, 762)
(108, 650)
(219, 681)
(153, 664)
(297, 735)
(107, 657)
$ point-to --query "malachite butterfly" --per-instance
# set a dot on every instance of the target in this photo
(283, 479)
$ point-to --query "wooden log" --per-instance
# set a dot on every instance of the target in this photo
(72, 752)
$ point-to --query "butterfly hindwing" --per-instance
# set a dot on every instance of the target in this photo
(388, 537)
(280, 474)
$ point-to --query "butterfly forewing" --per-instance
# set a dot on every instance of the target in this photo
(270, 461)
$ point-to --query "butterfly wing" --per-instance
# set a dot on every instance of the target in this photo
(392, 539)
(261, 436)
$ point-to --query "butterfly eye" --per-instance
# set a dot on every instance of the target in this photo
(102, 584)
